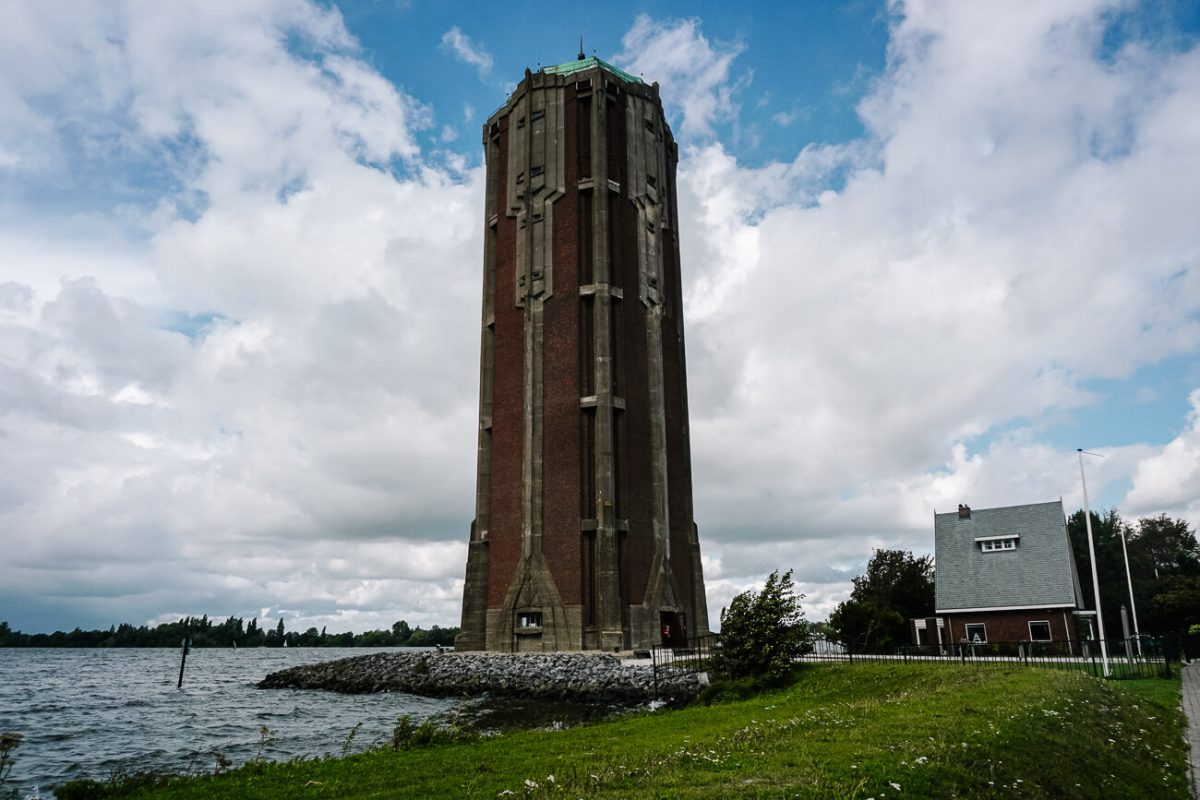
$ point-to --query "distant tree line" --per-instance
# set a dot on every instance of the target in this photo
(233, 632)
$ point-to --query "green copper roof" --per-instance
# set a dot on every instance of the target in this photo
(588, 63)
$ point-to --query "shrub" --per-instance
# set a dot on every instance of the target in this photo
(8, 743)
(762, 633)
(407, 735)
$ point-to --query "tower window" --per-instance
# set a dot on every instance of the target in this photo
(529, 619)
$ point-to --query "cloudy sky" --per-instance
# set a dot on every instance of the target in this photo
(930, 249)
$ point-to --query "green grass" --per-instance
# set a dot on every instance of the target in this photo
(841, 731)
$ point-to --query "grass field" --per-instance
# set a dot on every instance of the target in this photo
(840, 731)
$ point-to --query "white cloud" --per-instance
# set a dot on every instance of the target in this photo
(999, 240)
(307, 421)
(694, 75)
(1168, 481)
(467, 50)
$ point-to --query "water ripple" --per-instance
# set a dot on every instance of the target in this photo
(93, 713)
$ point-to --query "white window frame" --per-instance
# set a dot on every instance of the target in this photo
(998, 544)
(529, 619)
(1049, 633)
(967, 632)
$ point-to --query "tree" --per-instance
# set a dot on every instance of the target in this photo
(863, 625)
(1164, 565)
(896, 587)
(762, 633)
(1165, 546)
(276, 636)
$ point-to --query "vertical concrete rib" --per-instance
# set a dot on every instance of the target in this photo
(474, 618)
(608, 568)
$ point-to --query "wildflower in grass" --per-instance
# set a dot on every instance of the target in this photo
(894, 785)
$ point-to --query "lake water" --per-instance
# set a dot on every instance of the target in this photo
(91, 713)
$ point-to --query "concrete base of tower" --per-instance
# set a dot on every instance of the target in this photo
(535, 630)
(611, 641)
(473, 633)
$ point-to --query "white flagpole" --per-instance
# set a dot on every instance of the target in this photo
(1132, 604)
(1087, 517)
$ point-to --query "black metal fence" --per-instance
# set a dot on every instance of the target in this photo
(695, 656)
(1126, 658)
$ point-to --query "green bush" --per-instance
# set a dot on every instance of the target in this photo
(407, 735)
(762, 633)
(8, 743)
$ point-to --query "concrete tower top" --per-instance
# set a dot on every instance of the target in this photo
(590, 63)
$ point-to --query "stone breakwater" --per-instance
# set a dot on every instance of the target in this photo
(552, 676)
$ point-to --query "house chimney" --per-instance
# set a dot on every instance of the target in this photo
(964, 512)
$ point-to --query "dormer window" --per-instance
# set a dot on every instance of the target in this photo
(993, 544)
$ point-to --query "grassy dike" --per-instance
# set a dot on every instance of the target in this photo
(841, 731)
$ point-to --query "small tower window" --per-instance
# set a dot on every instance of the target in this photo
(529, 619)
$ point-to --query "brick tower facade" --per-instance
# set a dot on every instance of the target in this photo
(583, 535)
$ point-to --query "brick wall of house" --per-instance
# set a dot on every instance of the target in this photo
(1012, 626)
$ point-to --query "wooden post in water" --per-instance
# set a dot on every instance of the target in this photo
(184, 644)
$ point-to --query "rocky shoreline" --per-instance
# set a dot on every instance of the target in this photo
(585, 677)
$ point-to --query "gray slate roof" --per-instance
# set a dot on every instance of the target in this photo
(1040, 572)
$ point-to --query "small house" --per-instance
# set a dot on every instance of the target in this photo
(1002, 575)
